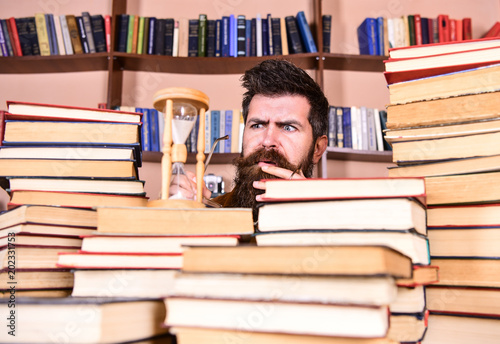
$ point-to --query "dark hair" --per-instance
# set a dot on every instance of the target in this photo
(277, 77)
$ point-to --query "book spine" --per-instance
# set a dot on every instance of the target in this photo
(340, 127)
(122, 33)
(332, 124)
(367, 37)
(211, 29)
(160, 31)
(218, 37)
(3, 44)
(258, 35)
(235, 130)
(7, 35)
(98, 31)
(270, 41)
(193, 38)
(276, 33)
(222, 131)
(346, 127)
(418, 29)
(155, 130)
(43, 37)
(151, 36)
(380, 36)
(87, 24)
(82, 34)
(52, 34)
(284, 38)
(60, 40)
(135, 33)
(215, 127)
(228, 130)
(294, 41)
(168, 45)
(140, 36)
(225, 36)
(241, 35)
(145, 129)
(74, 35)
(467, 28)
(15, 37)
(208, 134)
(327, 32)
(202, 35)
(305, 33)
(233, 36)
(248, 38)
(107, 31)
(265, 37)
(175, 39)
(49, 34)
(145, 41)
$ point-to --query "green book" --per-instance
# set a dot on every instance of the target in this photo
(140, 36)
(130, 33)
(202, 35)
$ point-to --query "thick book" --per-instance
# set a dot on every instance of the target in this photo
(45, 279)
(57, 132)
(124, 187)
(27, 239)
(460, 328)
(193, 29)
(75, 199)
(87, 25)
(367, 36)
(327, 32)
(207, 221)
(286, 317)
(83, 34)
(456, 147)
(474, 188)
(241, 35)
(477, 301)
(168, 46)
(408, 243)
(470, 81)
(98, 32)
(98, 260)
(464, 242)
(336, 260)
(32, 257)
(464, 216)
(295, 45)
(372, 214)
(360, 290)
(40, 111)
(409, 300)
(422, 275)
(408, 327)
(42, 34)
(59, 216)
(468, 272)
(98, 319)
(153, 283)
(67, 152)
(194, 335)
(346, 188)
(83, 168)
(153, 244)
(16, 44)
(305, 33)
(28, 38)
(444, 111)
(122, 32)
(47, 230)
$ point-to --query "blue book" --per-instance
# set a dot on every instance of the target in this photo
(346, 127)
(265, 37)
(151, 36)
(54, 49)
(214, 127)
(122, 32)
(425, 30)
(305, 33)
(225, 37)
(233, 36)
(367, 37)
(276, 33)
(193, 37)
(218, 37)
(155, 130)
(227, 130)
(241, 28)
(211, 27)
(3, 42)
(380, 34)
(145, 129)
(253, 38)
(248, 38)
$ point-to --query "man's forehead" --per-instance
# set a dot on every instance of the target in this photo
(279, 108)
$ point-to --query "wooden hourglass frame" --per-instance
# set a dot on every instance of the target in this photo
(164, 102)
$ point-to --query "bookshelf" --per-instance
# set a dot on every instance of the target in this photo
(129, 79)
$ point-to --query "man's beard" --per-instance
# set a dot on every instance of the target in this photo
(248, 171)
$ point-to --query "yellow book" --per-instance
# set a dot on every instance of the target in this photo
(140, 36)
(43, 37)
(284, 40)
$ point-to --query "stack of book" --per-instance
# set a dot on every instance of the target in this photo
(443, 125)
(389, 212)
(30, 239)
(139, 250)
(71, 156)
(292, 294)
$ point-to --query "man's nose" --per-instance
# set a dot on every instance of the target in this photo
(270, 138)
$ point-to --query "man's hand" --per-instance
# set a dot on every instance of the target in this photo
(278, 172)
(189, 191)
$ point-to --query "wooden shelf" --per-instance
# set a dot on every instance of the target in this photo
(54, 64)
(359, 63)
(333, 153)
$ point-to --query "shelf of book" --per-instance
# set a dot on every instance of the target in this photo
(54, 63)
(358, 63)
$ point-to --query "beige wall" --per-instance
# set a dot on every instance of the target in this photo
(342, 88)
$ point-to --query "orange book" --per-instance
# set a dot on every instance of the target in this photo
(15, 37)
(134, 34)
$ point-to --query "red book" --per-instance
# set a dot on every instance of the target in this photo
(107, 31)
(15, 36)
(459, 31)
(418, 29)
(467, 29)
(494, 31)
(453, 30)
(444, 28)
(430, 23)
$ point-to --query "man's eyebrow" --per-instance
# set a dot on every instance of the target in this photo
(292, 122)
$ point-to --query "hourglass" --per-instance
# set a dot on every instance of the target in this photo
(181, 107)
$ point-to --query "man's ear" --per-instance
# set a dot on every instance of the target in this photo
(320, 148)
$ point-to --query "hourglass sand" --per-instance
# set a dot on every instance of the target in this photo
(181, 107)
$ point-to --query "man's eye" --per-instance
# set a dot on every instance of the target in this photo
(256, 126)
(288, 127)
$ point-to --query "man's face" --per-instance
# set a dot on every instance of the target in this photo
(280, 124)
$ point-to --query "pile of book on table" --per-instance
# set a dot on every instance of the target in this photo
(443, 124)
(335, 259)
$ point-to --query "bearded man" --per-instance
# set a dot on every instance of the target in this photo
(286, 122)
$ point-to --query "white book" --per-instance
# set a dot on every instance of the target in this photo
(68, 48)
(175, 50)
(208, 125)
(354, 127)
(372, 136)
(378, 130)
(222, 131)
(258, 34)
(363, 137)
(60, 41)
